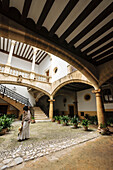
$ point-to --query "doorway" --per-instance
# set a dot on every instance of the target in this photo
(71, 110)
(3, 109)
(47, 74)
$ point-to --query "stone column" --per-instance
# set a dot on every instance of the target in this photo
(8, 64)
(100, 110)
(32, 74)
(51, 108)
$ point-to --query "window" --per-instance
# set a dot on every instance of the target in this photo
(55, 70)
(107, 96)
(87, 97)
(82, 113)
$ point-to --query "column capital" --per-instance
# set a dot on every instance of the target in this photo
(51, 100)
(13, 42)
(35, 50)
(96, 91)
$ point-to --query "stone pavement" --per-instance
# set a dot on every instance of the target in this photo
(23, 153)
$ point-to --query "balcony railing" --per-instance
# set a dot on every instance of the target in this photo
(25, 74)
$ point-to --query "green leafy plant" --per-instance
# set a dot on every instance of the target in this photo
(57, 118)
(1, 127)
(103, 126)
(85, 122)
(110, 121)
(93, 120)
(65, 119)
(75, 120)
(5, 122)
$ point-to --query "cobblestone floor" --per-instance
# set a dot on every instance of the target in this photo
(45, 138)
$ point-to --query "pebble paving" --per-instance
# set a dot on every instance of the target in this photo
(23, 153)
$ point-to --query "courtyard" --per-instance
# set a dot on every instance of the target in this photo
(45, 138)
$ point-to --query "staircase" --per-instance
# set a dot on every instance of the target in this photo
(39, 114)
(13, 95)
(13, 98)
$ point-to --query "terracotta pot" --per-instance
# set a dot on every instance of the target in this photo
(85, 128)
(58, 121)
(3, 132)
(33, 121)
(64, 124)
(53, 120)
(76, 126)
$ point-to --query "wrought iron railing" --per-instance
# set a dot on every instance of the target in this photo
(13, 95)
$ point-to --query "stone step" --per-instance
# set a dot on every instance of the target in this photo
(39, 114)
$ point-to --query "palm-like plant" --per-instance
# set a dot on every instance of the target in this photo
(75, 121)
(65, 120)
(85, 124)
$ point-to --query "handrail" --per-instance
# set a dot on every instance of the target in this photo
(14, 95)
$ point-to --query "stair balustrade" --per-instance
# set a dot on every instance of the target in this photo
(14, 95)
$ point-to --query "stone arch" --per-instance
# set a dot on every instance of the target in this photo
(68, 82)
(25, 85)
(26, 36)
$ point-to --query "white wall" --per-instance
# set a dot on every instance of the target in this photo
(59, 104)
(23, 91)
(62, 68)
(84, 105)
(44, 65)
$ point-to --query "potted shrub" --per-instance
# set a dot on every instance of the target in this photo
(53, 119)
(5, 124)
(58, 119)
(32, 119)
(75, 121)
(65, 120)
(85, 124)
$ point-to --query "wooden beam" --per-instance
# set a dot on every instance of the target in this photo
(27, 4)
(110, 44)
(101, 41)
(38, 54)
(71, 4)
(42, 59)
(103, 54)
(104, 60)
(96, 34)
(44, 13)
(30, 53)
(5, 5)
(93, 24)
(27, 50)
(21, 48)
(91, 6)
(41, 55)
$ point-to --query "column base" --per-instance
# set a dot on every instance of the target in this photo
(104, 131)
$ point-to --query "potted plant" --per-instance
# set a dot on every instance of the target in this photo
(58, 119)
(53, 119)
(65, 120)
(85, 124)
(5, 124)
(75, 121)
(32, 119)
